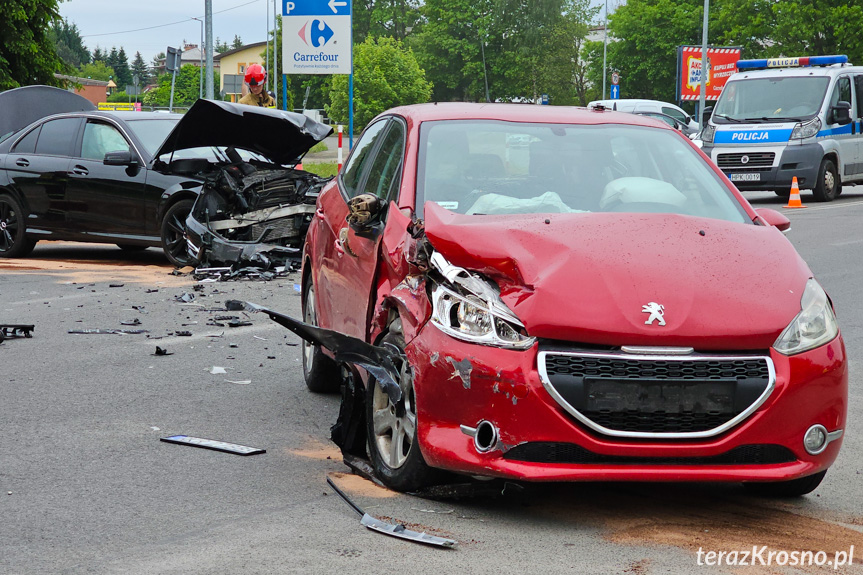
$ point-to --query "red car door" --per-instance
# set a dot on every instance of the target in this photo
(347, 261)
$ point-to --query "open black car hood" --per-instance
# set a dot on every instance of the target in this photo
(21, 106)
(282, 137)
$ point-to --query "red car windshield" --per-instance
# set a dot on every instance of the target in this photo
(496, 167)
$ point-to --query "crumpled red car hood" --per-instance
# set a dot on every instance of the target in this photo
(584, 278)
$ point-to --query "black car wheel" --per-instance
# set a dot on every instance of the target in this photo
(827, 185)
(174, 234)
(14, 242)
(793, 488)
(321, 373)
(393, 445)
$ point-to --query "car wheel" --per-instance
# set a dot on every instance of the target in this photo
(321, 373)
(827, 185)
(174, 234)
(131, 248)
(14, 242)
(393, 445)
(793, 488)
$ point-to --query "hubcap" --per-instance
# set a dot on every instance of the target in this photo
(829, 181)
(394, 435)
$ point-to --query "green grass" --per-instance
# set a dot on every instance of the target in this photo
(323, 169)
(319, 147)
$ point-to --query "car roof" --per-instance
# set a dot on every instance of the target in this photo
(517, 113)
(803, 71)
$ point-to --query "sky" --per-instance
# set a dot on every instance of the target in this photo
(108, 23)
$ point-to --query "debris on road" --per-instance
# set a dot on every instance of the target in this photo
(185, 297)
(241, 382)
(100, 331)
(15, 330)
(215, 370)
(391, 529)
(212, 444)
(161, 351)
(135, 321)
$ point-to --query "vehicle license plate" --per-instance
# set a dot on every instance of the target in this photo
(747, 177)
(667, 396)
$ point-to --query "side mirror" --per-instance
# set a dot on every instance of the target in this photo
(119, 158)
(705, 116)
(841, 113)
(773, 218)
(363, 211)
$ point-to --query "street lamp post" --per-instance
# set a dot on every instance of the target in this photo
(605, 50)
(201, 59)
(704, 71)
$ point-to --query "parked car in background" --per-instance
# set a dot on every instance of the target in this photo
(108, 177)
(606, 307)
(638, 105)
(671, 121)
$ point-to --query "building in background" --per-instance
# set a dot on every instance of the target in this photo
(94, 90)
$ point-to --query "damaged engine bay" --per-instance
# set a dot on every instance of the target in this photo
(252, 213)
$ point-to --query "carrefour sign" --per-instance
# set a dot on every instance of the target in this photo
(316, 37)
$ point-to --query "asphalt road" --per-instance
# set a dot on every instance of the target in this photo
(87, 487)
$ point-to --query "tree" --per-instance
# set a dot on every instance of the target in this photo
(219, 46)
(386, 74)
(123, 74)
(99, 55)
(96, 71)
(237, 43)
(27, 53)
(391, 18)
(139, 68)
(158, 62)
(186, 88)
(68, 43)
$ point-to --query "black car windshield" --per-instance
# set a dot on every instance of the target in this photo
(153, 131)
(770, 99)
(496, 167)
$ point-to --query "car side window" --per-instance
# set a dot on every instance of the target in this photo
(674, 114)
(27, 144)
(360, 157)
(842, 91)
(101, 138)
(57, 137)
(858, 89)
(386, 166)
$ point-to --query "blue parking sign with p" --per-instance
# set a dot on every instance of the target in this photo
(316, 8)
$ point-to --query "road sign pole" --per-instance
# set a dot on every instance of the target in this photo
(284, 91)
(351, 112)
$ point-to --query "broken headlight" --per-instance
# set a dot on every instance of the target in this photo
(814, 326)
(471, 309)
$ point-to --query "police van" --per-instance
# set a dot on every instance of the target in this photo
(784, 117)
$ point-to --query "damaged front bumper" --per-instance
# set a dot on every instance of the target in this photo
(487, 411)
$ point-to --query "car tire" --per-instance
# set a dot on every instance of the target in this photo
(393, 446)
(174, 234)
(321, 373)
(131, 248)
(827, 185)
(14, 242)
(793, 488)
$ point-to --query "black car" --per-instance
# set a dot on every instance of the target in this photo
(131, 178)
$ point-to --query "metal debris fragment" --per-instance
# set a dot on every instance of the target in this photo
(100, 331)
(399, 531)
(213, 444)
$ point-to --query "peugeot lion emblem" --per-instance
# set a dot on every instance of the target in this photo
(656, 312)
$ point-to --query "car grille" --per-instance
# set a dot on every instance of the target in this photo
(547, 452)
(657, 396)
(282, 228)
(754, 160)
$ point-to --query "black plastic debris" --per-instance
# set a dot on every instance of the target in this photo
(15, 330)
(234, 305)
(153, 290)
(100, 331)
(183, 333)
(115, 285)
(239, 323)
(140, 308)
(134, 321)
(399, 531)
(226, 317)
(213, 444)
(185, 297)
(162, 351)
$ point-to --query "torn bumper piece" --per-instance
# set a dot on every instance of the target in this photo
(377, 360)
(390, 529)
(15, 330)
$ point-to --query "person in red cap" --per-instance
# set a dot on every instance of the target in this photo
(256, 77)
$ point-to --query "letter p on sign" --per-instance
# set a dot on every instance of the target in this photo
(289, 6)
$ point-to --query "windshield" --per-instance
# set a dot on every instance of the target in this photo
(153, 131)
(771, 99)
(495, 167)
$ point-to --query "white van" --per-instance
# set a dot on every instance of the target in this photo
(636, 105)
(784, 117)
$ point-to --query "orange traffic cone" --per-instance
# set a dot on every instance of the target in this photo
(794, 198)
(300, 166)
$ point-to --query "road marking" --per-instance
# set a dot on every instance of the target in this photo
(212, 331)
(848, 243)
(832, 207)
(58, 298)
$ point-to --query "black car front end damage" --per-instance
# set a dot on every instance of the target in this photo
(254, 207)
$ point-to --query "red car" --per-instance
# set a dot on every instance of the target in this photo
(560, 294)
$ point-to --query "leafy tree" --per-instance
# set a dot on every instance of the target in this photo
(392, 18)
(97, 71)
(27, 52)
(139, 68)
(68, 43)
(186, 88)
(237, 43)
(158, 61)
(386, 74)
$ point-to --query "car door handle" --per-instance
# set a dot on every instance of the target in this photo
(80, 171)
(22, 162)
